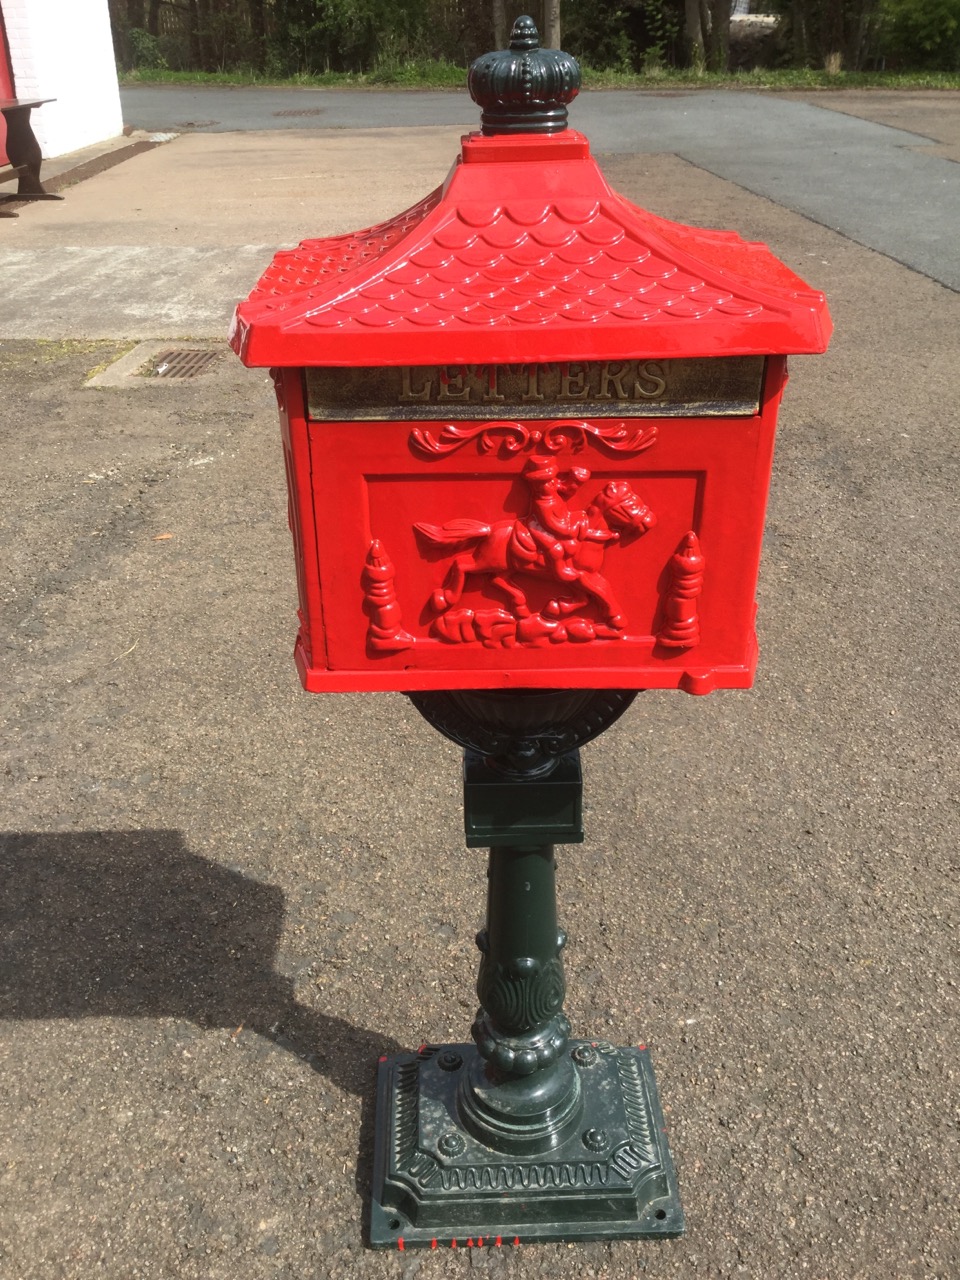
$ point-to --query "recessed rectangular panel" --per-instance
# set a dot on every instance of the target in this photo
(492, 555)
(728, 386)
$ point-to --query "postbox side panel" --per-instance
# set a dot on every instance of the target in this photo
(311, 641)
(495, 555)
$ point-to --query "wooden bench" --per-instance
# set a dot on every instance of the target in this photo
(23, 152)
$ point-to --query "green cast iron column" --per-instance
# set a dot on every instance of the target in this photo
(522, 1094)
(524, 1134)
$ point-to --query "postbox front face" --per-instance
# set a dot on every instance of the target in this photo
(528, 434)
(528, 545)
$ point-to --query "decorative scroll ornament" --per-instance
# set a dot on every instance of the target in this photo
(519, 437)
(521, 1025)
(385, 633)
(554, 542)
(681, 620)
(522, 994)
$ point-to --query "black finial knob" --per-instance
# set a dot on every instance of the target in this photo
(524, 34)
(524, 89)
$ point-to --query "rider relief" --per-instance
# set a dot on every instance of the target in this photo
(555, 544)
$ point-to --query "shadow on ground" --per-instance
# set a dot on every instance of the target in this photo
(132, 924)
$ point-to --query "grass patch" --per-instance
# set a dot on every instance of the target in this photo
(765, 78)
(426, 73)
(423, 73)
(116, 354)
(20, 353)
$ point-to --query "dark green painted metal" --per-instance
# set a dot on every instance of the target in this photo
(522, 732)
(524, 89)
(523, 1133)
(543, 810)
(437, 1185)
(520, 1029)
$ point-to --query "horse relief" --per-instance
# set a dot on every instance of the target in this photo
(554, 543)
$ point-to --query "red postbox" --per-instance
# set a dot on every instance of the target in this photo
(528, 431)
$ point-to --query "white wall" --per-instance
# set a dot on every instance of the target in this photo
(63, 49)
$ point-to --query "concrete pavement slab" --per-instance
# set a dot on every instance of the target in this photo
(872, 182)
(228, 190)
(133, 290)
(165, 243)
(161, 245)
(223, 898)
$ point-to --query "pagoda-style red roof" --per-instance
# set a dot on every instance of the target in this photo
(526, 253)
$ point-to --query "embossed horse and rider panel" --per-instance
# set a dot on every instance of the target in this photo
(540, 573)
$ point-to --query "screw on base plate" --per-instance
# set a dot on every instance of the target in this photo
(451, 1144)
(596, 1139)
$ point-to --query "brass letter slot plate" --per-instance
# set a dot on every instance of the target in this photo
(709, 387)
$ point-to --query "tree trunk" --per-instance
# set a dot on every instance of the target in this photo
(501, 32)
(800, 35)
(831, 35)
(718, 38)
(153, 18)
(208, 61)
(135, 14)
(693, 32)
(118, 28)
(258, 33)
(551, 24)
(859, 35)
(193, 34)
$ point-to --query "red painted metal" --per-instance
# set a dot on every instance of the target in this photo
(7, 89)
(524, 553)
(518, 248)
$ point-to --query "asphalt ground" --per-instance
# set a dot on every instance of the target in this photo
(164, 246)
(878, 167)
(223, 899)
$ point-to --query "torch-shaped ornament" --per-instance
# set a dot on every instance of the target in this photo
(385, 633)
(681, 618)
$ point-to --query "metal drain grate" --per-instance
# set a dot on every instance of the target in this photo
(306, 111)
(182, 363)
(158, 363)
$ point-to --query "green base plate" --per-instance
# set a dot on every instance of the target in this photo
(435, 1185)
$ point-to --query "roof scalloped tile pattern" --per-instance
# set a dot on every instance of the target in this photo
(500, 252)
(531, 265)
(313, 263)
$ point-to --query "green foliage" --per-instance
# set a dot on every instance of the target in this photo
(597, 33)
(842, 33)
(419, 73)
(354, 35)
(624, 34)
(422, 41)
(145, 50)
(922, 33)
(662, 25)
(449, 75)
